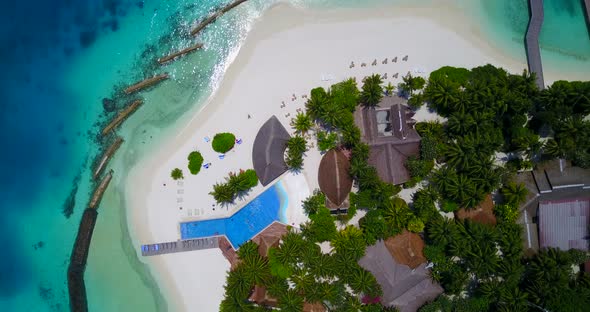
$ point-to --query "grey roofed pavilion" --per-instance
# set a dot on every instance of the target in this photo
(269, 149)
(389, 131)
(404, 288)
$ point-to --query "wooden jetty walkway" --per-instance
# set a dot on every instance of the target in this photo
(79, 257)
(146, 83)
(533, 51)
(180, 246)
(121, 116)
(107, 156)
(182, 52)
(215, 15)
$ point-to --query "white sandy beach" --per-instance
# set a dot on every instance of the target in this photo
(289, 51)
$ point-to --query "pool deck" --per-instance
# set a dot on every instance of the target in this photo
(533, 51)
(180, 246)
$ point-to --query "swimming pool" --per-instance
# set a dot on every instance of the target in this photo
(266, 208)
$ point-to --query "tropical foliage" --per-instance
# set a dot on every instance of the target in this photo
(296, 147)
(327, 140)
(372, 91)
(195, 161)
(235, 186)
(176, 174)
(223, 142)
(302, 123)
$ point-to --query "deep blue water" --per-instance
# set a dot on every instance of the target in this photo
(244, 224)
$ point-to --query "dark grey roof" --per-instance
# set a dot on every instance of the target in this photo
(389, 132)
(563, 224)
(403, 287)
(561, 174)
(269, 149)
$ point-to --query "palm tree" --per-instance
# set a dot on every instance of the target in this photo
(291, 301)
(222, 193)
(297, 144)
(442, 94)
(248, 250)
(258, 270)
(460, 188)
(302, 123)
(363, 282)
(514, 193)
(460, 124)
(239, 283)
(389, 89)
(442, 179)
(317, 103)
(324, 266)
(442, 231)
(372, 92)
(231, 304)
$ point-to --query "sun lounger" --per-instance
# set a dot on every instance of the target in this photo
(221, 156)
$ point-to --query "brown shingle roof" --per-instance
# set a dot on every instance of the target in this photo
(482, 213)
(228, 252)
(313, 307)
(333, 176)
(261, 297)
(389, 132)
(403, 287)
(269, 149)
(269, 237)
(406, 248)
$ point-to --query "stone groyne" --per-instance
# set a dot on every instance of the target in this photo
(215, 15)
(106, 157)
(79, 257)
(146, 83)
(182, 52)
(121, 116)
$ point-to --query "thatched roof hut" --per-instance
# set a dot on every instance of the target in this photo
(406, 248)
(333, 177)
(261, 297)
(313, 307)
(270, 237)
(482, 213)
(269, 149)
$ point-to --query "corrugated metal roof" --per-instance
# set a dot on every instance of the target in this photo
(563, 224)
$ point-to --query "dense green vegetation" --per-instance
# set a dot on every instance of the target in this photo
(195, 160)
(235, 186)
(223, 142)
(176, 174)
(296, 147)
(489, 114)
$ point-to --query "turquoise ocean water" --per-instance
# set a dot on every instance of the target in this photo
(62, 58)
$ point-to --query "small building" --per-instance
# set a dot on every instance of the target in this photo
(268, 151)
(405, 288)
(389, 131)
(482, 213)
(564, 224)
(335, 181)
(407, 249)
(553, 188)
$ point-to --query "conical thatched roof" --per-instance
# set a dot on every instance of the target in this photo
(406, 248)
(270, 237)
(333, 176)
(269, 149)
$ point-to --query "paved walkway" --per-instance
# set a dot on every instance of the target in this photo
(533, 51)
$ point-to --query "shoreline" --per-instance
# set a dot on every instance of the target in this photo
(281, 29)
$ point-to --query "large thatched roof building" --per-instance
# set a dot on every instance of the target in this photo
(403, 287)
(269, 149)
(334, 180)
(389, 131)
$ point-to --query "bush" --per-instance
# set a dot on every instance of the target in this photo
(506, 213)
(236, 185)
(449, 206)
(327, 141)
(296, 146)
(223, 142)
(176, 174)
(416, 101)
(415, 225)
(195, 161)
(314, 203)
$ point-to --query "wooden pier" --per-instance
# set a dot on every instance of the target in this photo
(180, 53)
(533, 51)
(180, 246)
(146, 83)
(106, 157)
(99, 191)
(121, 116)
(215, 15)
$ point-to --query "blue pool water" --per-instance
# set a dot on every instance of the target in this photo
(268, 207)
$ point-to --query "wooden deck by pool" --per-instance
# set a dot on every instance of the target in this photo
(180, 246)
(533, 51)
